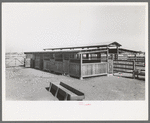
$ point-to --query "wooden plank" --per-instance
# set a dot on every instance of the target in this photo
(102, 63)
(77, 92)
(123, 64)
(94, 75)
(140, 65)
(122, 61)
(123, 68)
(122, 71)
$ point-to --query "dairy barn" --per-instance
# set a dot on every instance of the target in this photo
(83, 61)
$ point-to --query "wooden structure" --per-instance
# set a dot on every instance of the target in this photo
(65, 92)
(133, 63)
(84, 61)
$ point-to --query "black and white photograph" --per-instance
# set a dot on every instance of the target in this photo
(78, 61)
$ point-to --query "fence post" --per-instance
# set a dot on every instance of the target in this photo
(81, 67)
(134, 69)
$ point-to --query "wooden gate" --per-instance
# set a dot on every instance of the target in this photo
(110, 66)
(14, 62)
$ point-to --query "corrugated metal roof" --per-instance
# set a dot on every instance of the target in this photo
(103, 44)
(122, 50)
(69, 51)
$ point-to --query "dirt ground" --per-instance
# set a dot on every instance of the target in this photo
(30, 84)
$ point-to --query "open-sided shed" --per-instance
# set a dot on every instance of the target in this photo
(83, 61)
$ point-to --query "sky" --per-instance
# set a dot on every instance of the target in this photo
(35, 26)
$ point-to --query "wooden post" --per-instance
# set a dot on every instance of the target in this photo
(69, 65)
(56, 92)
(135, 57)
(63, 71)
(111, 56)
(81, 67)
(112, 67)
(100, 57)
(117, 53)
(54, 67)
(107, 55)
(107, 61)
(87, 56)
(134, 69)
(144, 61)
(50, 85)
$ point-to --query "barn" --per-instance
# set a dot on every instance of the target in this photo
(80, 62)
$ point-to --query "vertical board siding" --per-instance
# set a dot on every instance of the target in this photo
(74, 69)
(90, 69)
(52, 66)
(37, 63)
(59, 66)
(100, 68)
(66, 66)
(46, 64)
(87, 69)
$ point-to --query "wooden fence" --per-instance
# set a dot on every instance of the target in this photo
(14, 61)
(94, 69)
(131, 58)
(126, 66)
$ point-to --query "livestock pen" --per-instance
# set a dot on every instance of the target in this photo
(80, 62)
(85, 61)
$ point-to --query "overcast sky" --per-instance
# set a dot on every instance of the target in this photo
(35, 26)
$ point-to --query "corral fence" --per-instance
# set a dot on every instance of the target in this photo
(138, 58)
(127, 66)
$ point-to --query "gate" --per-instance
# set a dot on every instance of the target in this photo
(14, 62)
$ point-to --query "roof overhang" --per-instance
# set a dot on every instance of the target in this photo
(123, 50)
(105, 44)
(114, 44)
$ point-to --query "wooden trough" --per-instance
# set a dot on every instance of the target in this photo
(65, 92)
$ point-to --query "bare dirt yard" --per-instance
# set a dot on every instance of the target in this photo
(31, 85)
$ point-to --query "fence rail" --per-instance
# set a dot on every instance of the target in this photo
(126, 66)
